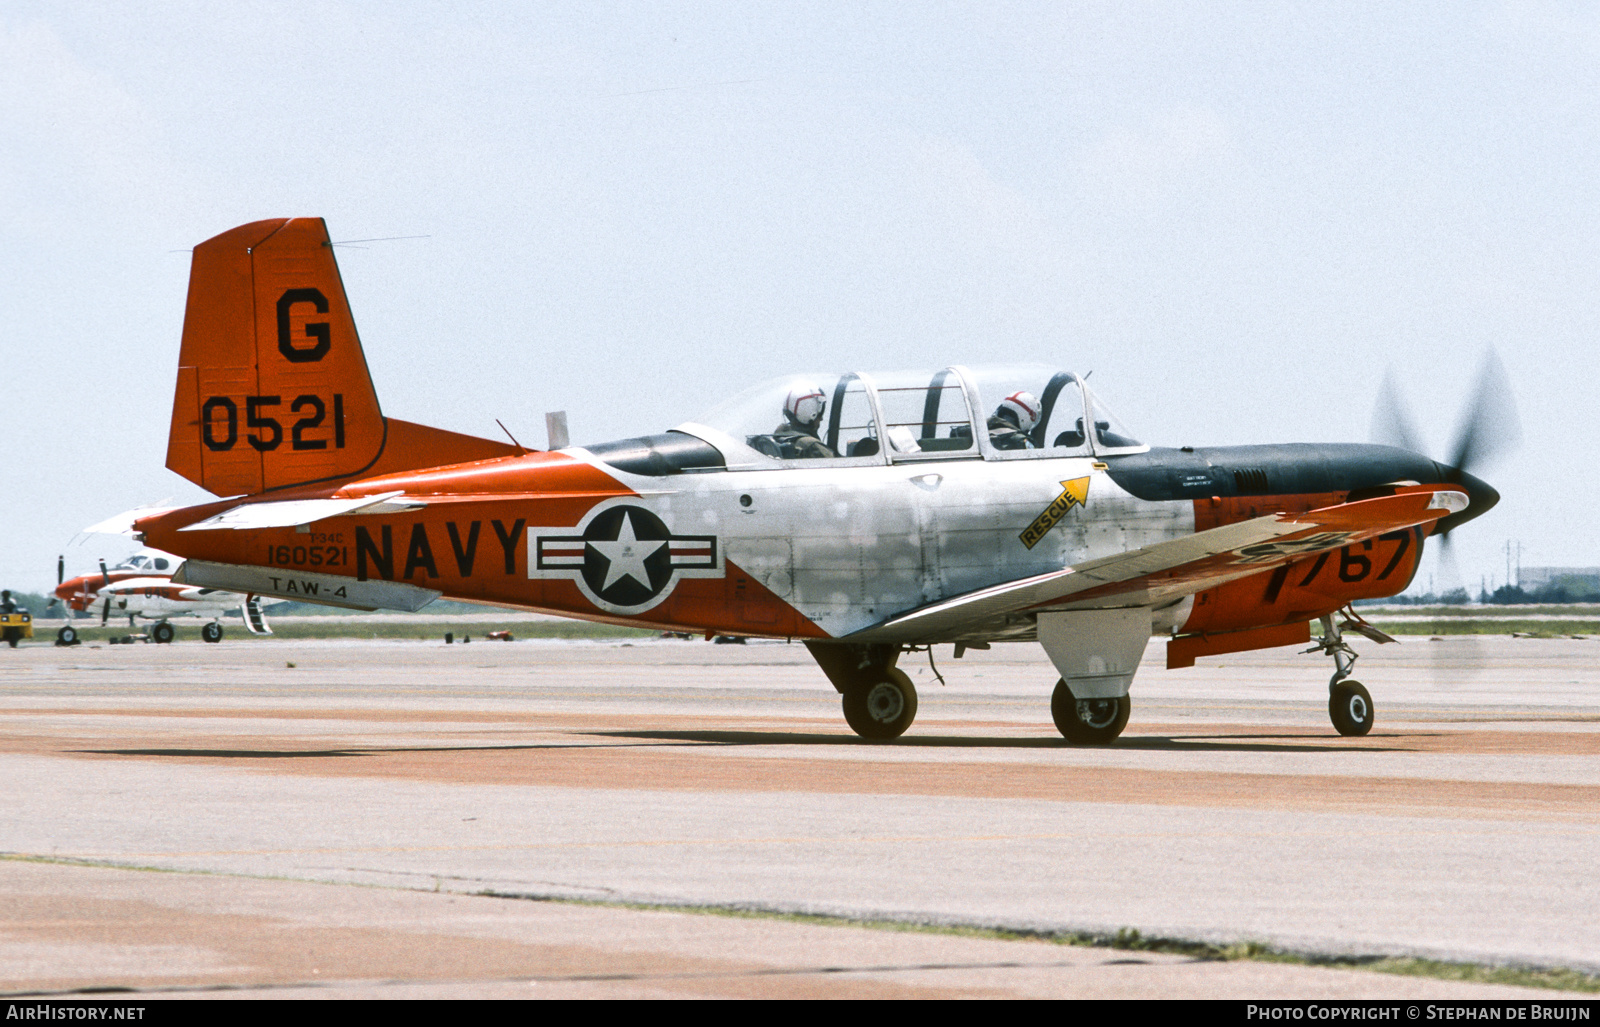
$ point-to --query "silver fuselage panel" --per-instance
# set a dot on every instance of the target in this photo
(849, 547)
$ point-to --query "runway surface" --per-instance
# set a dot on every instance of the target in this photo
(372, 818)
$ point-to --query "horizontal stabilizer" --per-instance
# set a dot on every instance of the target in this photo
(292, 513)
(122, 523)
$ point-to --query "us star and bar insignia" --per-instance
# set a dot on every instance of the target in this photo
(624, 558)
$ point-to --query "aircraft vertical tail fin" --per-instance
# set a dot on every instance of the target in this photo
(273, 388)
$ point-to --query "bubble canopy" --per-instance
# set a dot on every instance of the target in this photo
(875, 418)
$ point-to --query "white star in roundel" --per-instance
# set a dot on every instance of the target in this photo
(626, 554)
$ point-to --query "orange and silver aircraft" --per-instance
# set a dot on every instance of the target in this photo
(865, 514)
(142, 586)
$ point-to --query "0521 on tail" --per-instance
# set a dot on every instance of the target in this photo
(862, 513)
(273, 391)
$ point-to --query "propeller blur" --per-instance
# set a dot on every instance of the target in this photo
(1489, 429)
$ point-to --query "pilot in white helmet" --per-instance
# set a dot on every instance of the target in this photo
(802, 417)
(1013, 419)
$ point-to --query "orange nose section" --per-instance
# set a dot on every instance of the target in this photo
(76, 593)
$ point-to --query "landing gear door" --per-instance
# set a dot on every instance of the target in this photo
(1097, 652)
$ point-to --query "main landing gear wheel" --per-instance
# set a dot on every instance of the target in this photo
(68, 635)
(882, 706)
(211, 632)
(1350, 707)
(163, 633)
(1088, 721)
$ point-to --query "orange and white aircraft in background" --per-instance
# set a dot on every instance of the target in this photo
(142, 586)
(906, 517)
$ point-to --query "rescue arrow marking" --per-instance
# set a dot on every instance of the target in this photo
(1073, 493)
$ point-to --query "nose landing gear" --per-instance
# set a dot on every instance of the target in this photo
(1349, 703)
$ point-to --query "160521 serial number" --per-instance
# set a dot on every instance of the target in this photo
(308, 556)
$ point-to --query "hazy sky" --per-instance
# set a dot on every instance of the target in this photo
(1237, 216)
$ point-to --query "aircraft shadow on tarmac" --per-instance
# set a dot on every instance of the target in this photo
(678, 739)
(247, 754)
(268, 754)
(1167, 743)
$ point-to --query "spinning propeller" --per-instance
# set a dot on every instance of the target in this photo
(105, 577)
(1489, 429)
(61, 576)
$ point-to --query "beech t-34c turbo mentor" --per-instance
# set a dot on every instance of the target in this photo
(884, 512)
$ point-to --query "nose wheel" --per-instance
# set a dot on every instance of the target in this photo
(1350, 707)
(211, 632)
